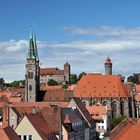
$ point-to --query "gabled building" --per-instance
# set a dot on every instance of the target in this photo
(34, 127)
(77, 105)
(61, 76)
(106, 89)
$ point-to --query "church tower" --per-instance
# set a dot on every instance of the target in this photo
(32, 86)
(108, 66)
(67, 72)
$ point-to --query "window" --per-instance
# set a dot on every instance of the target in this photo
(24, 137)
(30, 137)
(30, 87)
(30, 75)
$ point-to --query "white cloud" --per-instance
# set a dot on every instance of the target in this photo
(84, 55)
(104, 30)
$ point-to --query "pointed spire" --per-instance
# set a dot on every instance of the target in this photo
(31, 47)
(32, 52)
(35, 48)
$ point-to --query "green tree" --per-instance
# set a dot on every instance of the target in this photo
(81, 74)
(1, 82)
(17, 83)
(73, 79)
(116, 121)
(52, 82)
(133, 79)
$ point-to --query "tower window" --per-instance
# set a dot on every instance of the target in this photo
(30, 75)
(30, 87)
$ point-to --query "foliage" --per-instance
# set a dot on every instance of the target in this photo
(66, 86)
(1, 82)
(52, 82)
(116, 121)
(133, 79)
(81, 74)
(73, 79)
(16, 83)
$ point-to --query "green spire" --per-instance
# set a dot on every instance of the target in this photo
(35, 48)
(32, 52)
(31, 47)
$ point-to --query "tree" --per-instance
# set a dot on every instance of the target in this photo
(116, 121)
(81, 74)
(52, 82)
(16, 83)
(133, 79)
(1, 81)
(73, 79)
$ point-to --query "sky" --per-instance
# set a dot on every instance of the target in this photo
(82, 32)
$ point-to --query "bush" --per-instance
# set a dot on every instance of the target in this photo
(116, 121)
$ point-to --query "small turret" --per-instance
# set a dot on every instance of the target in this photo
(108, 66)
(67, 72)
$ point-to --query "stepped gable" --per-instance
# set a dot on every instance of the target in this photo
(51, 71)
(98, 85)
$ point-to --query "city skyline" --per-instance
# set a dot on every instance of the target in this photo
(84, 31)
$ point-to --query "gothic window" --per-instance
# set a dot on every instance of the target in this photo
(30, 75)
(30, 87)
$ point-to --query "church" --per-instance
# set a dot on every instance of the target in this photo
(105, 88)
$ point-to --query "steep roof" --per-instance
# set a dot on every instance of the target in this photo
(82, 110)
(7, 133)
(40, 125)
(97, 112)
(98, 85)
(129, 132)
(51, 71)
(60, 95)
(51, 88)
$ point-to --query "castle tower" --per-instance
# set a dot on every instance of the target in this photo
(32, 71)
(108, 66)
(67, 72)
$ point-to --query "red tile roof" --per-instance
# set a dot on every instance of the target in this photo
(97, 85)
(40, 125)
(51, 71)
(7, 133)
(60, 95)
(72, 87)
(46, 88)
(129, 132)
(97, 112)
(137, 88)
(137, 97)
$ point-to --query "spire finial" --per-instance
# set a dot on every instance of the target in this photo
(31, 31)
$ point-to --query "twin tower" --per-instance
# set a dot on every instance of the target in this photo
(32, 76)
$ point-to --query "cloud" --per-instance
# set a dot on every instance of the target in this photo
(84, 55)
(104, 31)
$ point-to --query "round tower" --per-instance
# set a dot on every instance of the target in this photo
(108, 66)
(67, 72)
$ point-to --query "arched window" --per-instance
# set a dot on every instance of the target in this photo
(30, 75)
(30, 87)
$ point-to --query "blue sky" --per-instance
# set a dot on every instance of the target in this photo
(86, 31)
